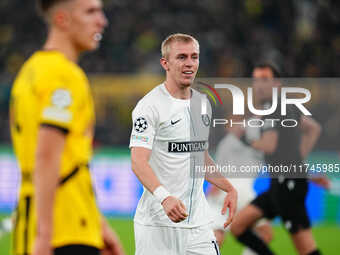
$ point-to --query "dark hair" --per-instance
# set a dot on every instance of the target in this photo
(43, 6)
(272, 66)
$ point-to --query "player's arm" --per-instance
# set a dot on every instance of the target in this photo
(112, 243)
(50, 145)
(311, 130)
(222, 183)
(213, 191)
(56, 104)
(216, 178)
(173, 207)
(310, 133)
(142, 169)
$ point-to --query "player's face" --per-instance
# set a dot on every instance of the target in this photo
(182, 63)
(263, 83)
(87, 23)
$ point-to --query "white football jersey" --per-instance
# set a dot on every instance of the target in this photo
(177, 134)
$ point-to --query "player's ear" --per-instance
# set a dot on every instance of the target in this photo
(164, 64)
(61, 18)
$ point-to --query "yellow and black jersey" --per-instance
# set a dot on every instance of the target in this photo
(51, 90)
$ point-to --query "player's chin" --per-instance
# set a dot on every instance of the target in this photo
(187, 82)
(92, 46)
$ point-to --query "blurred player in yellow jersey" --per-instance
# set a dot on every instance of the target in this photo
(52, 124)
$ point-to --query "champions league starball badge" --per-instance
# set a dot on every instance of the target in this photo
(140, 125)
(206, 120)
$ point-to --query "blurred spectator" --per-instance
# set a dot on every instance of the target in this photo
(304, 32)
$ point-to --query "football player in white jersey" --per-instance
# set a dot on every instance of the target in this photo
(169, 142)
(231, 151)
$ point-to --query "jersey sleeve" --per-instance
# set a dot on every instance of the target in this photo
(144, 126)
(59, 101)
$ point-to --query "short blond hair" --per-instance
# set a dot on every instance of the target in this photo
(185, 38)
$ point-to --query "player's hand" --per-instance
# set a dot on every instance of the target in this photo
(112, 245)
(322, 181)
(230, 202)
(42, 245)
(175, 209)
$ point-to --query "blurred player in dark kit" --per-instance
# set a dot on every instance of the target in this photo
(286, 195)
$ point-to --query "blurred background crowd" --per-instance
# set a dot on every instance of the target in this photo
(301, 37)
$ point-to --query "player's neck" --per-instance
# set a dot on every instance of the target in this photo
(178, 91)
(60, 42)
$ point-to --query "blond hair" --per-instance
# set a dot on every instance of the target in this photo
(166, 44)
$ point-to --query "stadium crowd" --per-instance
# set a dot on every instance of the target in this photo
(301, 36)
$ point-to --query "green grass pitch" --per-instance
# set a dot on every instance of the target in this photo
(327, 237)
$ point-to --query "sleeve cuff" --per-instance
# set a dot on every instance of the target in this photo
(64, 130)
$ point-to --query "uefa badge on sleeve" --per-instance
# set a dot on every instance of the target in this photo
(140, 125)
(206, 120)
(61, 98)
